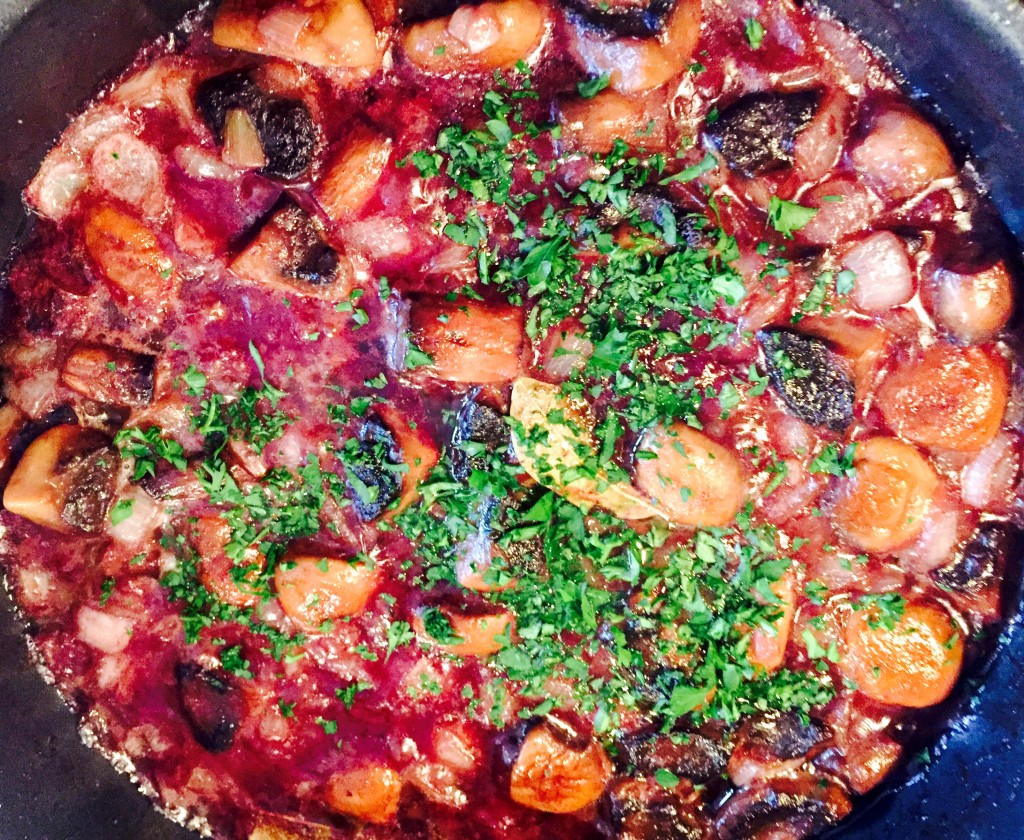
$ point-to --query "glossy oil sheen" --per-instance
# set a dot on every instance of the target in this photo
(966, 57)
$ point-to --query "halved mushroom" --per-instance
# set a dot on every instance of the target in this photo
(290, 253)
(111, 376)
(65, 480)
(554, 442)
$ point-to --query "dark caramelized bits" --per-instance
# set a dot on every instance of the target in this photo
(644, 809)
(287, 135)
(220, 94)
(809, 378)
(757, 133)
(688, 755)
(285, 126)
(628, 18)
(212, 705)
(373, 462)
(979, 563)
(792, 808)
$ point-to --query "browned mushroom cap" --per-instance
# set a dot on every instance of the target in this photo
(65, 480)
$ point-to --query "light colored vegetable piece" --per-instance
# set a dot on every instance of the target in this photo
(353, 174)
(370, 793)
(902, 154)
(242, 146)
(550, 776)
(129, 255)
(593, 125)
(914, 664)
(485, 37)
(37, 490)
(277, 827)
(314, 589)
(947, 397)
(884, 504)
(469, 341)
(565, 445)
(975, 307)
(691, 479)
(325, 33)
(884, 278)
(11, 420)
(639, 64)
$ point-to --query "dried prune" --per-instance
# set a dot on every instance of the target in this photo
(477, 426)
(642, 809)
(691, 755)
(288, 137)
(756, 134)
(372, 461)
(808, 377)
(979, 563)
(91, 481)
(220, 94)
(285, 127)
(212, 705)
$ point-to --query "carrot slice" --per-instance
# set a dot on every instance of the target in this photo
(129, 255)
(370, 793)
(768, 650)
(419, 452)
(689, 478)
(313, 590)
(915, 663)
(216, 568)
(948, 397)
(469, 341)
(884, 505)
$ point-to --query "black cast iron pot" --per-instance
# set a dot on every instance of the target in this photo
(963, 58)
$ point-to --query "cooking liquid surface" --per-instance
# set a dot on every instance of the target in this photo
(510, 427)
